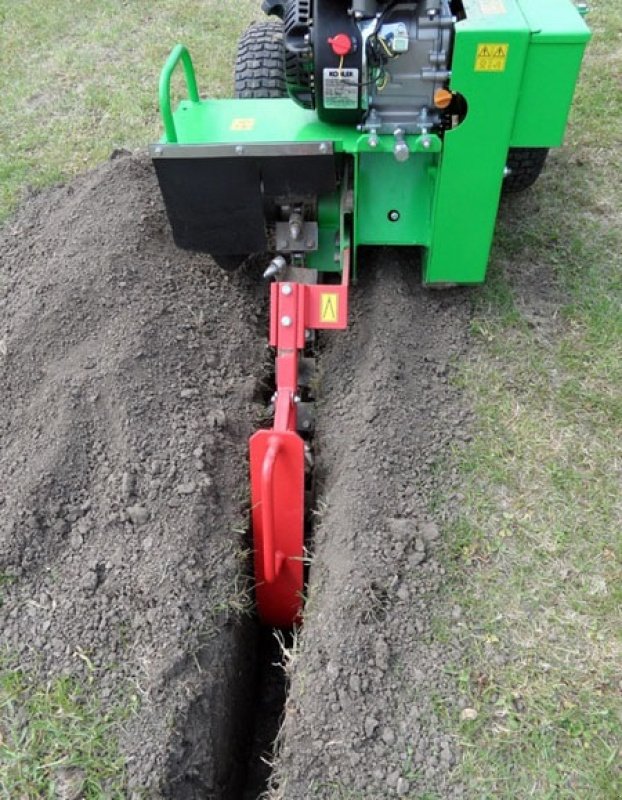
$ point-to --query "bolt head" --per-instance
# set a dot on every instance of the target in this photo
(394, 216)
(323, 147)
(286, 289)
(286, 322)
(401, 152)
(239, 150)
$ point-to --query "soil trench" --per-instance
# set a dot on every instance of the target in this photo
(368, 669)
(134, 374)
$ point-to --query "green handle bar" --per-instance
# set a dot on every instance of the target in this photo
(179, 53)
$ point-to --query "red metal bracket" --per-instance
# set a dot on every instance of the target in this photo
(277, 460)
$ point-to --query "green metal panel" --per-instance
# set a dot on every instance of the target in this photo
(555, 21)
(546, 95)
(557, 43)
(253, 122)
(326, 257)
(385, 186)
(515, 62)
(474, 154)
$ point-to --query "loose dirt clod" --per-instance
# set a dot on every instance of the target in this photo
(122, 359)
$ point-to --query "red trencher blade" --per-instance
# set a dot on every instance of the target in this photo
(277, 467)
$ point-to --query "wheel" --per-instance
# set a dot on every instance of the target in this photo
(259, 73)
(525, 165)
(260, 62)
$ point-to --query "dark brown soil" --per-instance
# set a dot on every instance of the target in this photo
(361, 717)
(129, 374)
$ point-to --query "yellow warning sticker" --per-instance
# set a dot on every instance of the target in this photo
(491, 57)
(329, 307)
(490, 7)
(243, 124)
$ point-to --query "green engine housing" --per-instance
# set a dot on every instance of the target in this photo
(232, 172)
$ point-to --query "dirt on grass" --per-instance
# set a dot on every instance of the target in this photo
(129, 379)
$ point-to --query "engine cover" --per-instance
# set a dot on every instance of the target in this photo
(398, 57)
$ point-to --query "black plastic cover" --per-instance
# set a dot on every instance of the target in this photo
(218, 204)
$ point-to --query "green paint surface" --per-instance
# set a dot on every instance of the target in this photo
(445, 197)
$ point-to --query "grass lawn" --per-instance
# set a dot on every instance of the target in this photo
(540, 536)
(79, 78)
(56, 741)
(538, 547)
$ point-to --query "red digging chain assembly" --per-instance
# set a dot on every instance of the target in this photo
(277, 456)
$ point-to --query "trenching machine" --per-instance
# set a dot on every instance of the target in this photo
(356, 122)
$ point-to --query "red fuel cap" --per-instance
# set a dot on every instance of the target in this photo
(341, 44)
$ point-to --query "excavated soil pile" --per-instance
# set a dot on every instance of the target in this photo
(362, 716)
(128, 378)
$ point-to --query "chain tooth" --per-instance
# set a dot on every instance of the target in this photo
(306, 371)
(306, 417)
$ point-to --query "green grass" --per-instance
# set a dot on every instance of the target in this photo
(78, 79)
(56, 741)
(540, 531)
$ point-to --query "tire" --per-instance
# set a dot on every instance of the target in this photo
(259, 73)
(260, 62)
(525, 165)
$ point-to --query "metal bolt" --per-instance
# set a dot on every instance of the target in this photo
(158, 151)
(394, 216)
(286, 322)
(306, 424)
(323, 148)
(426, 143)
(239, 150)
(296, 398)
(286, 289)
(277, 265)
(401, 151)
(372, 141)
(507, 172)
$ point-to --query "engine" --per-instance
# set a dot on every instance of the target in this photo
(383, 66)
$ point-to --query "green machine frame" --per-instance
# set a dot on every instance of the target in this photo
(515, 62)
